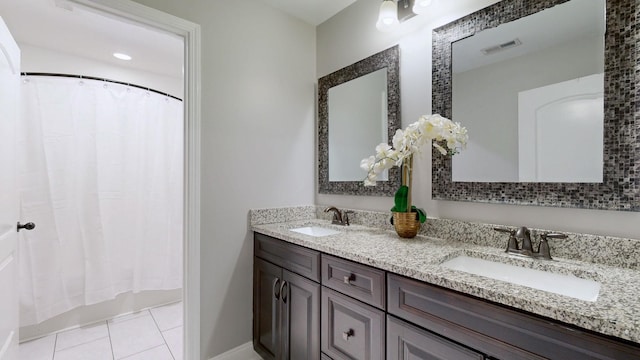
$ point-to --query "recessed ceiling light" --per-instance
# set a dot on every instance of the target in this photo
(122, 56)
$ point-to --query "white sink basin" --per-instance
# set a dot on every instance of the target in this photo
(316, 231)
(567, 285)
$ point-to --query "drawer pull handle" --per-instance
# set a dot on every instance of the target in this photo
(347, 334)
(284, 290)
(349, 278)
(276, 287)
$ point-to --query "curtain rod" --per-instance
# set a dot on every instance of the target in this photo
(99, 79)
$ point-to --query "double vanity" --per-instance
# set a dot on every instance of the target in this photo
(360, 292)
(462, 290)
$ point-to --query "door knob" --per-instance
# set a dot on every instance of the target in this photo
(27, 226)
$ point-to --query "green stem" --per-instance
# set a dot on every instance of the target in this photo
(409, 178)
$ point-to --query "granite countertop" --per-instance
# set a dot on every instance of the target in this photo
(616, 312)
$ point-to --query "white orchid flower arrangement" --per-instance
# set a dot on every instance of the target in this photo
(407, 143)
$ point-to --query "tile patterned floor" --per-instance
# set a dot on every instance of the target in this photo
(154, 334)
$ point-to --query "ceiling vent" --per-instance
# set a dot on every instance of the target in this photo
(501, 47)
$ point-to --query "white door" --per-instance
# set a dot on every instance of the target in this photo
(9, 109)
(560, 135)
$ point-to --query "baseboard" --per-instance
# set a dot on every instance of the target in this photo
(242, 352)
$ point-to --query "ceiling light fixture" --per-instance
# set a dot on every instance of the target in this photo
(393, 12)
(388, 17)
(420, 6)
(121, 56)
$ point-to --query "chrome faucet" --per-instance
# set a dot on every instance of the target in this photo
(339, 217)
(523, 236)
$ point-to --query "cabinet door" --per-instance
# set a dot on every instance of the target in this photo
(300, 317)
(267, 279)
(351, 329)
(405, 341)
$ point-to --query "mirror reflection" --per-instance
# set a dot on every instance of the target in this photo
(357, 123)
(531, 93)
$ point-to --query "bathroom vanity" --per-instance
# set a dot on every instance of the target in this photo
(365, 294)
(369, 295)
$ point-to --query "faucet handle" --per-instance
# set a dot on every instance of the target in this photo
(345, 216)
(546, 236)
(510, 231)
(512, 245)
(543, 248)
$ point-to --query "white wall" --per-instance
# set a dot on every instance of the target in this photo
(258, 75)
(37, 59)
(351, 36)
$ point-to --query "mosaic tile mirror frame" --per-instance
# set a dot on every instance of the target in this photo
(620, 189)
(389, 59)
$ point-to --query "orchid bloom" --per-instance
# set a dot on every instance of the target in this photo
(411, 141)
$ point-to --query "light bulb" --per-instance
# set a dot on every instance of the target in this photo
(388, 18)
(420, 6)
(121, 56)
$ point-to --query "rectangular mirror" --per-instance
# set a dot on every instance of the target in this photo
(534, 118)
(358, 108)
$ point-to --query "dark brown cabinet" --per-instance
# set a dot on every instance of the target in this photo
(497, 331)
(266, 309)
(297, 259)
(358, 281)
(286, 308)
(405, 341)
(301, 318)
(351, 329)
(306, 302)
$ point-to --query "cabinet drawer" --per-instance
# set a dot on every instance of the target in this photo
(300, 260)
(359, 281)
(496, 330)
(405, 341)
(351, 329)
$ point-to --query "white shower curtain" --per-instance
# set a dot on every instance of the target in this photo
(101, 176)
